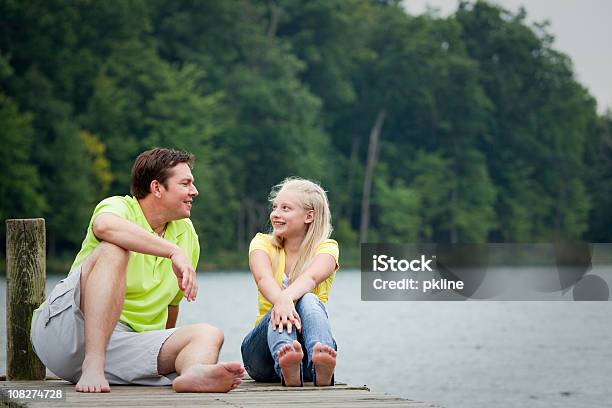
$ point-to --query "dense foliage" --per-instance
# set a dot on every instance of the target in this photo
(464, 129)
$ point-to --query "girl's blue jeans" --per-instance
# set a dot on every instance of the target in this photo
(260, 347)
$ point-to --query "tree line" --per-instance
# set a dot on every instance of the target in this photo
(466, 128)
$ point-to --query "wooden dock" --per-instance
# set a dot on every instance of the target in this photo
(25, 291)
(248, 394)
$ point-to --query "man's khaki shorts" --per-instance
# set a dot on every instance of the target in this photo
(58, 338)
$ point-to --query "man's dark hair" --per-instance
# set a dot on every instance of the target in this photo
(155, 164)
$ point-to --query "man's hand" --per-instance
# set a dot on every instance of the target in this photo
(185, 274)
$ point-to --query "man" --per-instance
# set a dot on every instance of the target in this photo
(112, 319)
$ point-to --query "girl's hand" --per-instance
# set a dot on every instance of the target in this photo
(284, 315)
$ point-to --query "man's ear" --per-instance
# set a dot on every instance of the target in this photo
(155, 188)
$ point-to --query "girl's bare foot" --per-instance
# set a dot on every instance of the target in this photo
(324, 360)
(289, 358)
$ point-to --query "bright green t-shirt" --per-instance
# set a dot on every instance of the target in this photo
(151, 283)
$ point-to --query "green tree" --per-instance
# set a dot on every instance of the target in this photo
(100, 165)
(535, 144)
(20, 182)
(274, 129)
(599, 161)
(398, 207)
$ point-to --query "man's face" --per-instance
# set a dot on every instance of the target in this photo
(179, 192)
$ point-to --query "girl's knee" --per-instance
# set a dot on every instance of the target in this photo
(308, 301)
(309, 298)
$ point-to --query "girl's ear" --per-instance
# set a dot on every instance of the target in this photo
(154, 187)
(309, 217)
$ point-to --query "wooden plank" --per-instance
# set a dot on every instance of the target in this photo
(249, 394)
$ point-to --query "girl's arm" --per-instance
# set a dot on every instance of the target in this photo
(283, 312)
(321, 268)
(260, 266)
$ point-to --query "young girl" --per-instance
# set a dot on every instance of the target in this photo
(293, 268)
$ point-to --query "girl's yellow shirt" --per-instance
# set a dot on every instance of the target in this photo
(264, 243)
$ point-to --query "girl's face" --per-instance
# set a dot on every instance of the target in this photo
(289, 219)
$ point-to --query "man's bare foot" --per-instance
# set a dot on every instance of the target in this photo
(289, 358)
(324, 360)
(220, 377)
(92, 376)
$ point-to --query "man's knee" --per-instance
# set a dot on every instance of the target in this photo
(208, 333)
(112, 252)
(110, 255)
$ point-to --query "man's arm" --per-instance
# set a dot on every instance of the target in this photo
(129, 236)
(173, 312)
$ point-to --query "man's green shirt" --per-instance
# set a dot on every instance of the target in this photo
(151, 283)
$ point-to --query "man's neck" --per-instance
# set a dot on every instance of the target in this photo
(155, 216)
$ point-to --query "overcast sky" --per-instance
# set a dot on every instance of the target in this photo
(582, 30)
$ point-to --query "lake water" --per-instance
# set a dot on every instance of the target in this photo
(454, 354)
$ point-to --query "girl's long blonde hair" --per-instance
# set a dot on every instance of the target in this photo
(311, 197)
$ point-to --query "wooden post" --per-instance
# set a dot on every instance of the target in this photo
(25, 291)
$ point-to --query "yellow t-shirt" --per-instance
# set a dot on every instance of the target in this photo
(151, 284)
(264, 243)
